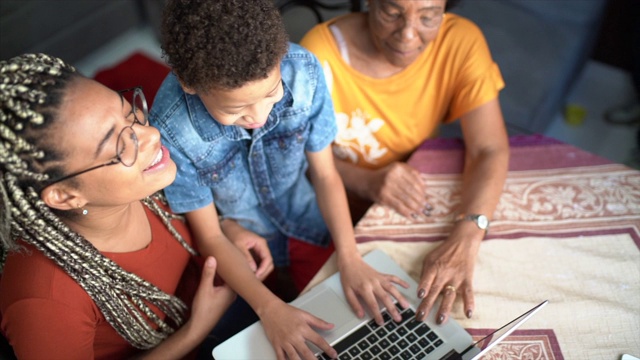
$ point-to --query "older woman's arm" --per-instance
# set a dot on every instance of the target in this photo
(448, 269)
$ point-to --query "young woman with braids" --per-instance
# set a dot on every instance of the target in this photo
(90, 269)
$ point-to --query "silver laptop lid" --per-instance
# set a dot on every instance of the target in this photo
(501, 333)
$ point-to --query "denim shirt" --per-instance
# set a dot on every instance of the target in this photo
(256, 178)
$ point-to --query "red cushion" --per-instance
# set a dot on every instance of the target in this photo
(306, 260)
(137, 70)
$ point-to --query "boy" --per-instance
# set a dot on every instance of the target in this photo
(246, 117)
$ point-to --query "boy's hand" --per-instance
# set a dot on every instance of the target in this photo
(289, 329)
(360, 280)
(253, 247)
(257, 253)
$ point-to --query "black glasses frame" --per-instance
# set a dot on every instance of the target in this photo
(137, 93)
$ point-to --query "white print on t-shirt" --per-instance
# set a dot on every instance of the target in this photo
(355, 134)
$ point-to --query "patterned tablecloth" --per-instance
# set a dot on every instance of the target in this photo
(567, 229)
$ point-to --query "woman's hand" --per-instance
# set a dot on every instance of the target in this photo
(210, 302)
(253, 247)
(361, 281)
(289, 329)
(448, 270)
(400, 187)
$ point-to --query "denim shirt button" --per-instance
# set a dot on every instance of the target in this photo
(214, 177)
(282, 144)
(264, 190)
(299, 138)
(255, 155)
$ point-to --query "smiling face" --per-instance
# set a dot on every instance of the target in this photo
(91, 118)
(247, 106)
(402, 29)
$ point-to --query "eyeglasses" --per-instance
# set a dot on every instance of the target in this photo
(127, 142)
(431, 22)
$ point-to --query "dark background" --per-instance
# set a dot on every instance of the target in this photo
(615, 37)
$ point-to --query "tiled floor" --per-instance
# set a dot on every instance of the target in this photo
(599, 88)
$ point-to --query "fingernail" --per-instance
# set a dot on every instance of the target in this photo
(421, 293)
(426, 212)
(440, 319)
(210, 262)
(420, 316)
(469, 313)
(428, 207)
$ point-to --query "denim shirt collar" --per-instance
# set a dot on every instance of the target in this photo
(210, 129)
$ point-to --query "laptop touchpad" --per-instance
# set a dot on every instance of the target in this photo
(329, 307)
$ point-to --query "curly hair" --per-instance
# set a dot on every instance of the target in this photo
(32, 89)
(222, 44)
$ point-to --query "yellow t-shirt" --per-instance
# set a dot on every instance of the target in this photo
(384, 120)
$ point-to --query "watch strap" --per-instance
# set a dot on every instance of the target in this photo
(476, 218)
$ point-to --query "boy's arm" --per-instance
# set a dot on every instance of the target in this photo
(358, 278)
(232, 266)
(287, 328)
(253, 246)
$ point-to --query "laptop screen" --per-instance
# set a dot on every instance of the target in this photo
(499, 334)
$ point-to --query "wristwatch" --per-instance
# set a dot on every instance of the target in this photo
(481, 221)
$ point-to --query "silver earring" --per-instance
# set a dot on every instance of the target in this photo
(85, 211)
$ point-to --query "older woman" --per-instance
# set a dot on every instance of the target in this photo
(95, 267)
(396, 73)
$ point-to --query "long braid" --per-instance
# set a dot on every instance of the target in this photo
(31, 90)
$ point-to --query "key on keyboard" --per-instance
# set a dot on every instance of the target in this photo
(408, 339)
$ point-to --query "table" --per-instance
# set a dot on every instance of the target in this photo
(567, 229)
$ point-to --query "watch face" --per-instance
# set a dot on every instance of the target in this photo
(483, 222)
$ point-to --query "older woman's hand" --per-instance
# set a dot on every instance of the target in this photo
(448, 270)
(400, 187)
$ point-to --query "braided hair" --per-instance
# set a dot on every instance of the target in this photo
(32, 87)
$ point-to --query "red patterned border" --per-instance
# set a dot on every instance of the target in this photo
(531, 344)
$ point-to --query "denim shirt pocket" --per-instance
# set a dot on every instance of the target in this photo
(285, 151)
(227, 178)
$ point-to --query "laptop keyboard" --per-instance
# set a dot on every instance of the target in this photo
(408, 339)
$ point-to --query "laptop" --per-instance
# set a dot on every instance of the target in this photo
(355, 338)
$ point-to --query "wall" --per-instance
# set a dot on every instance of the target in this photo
(65, 28)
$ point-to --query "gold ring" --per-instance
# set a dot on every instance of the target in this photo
(450, 287)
